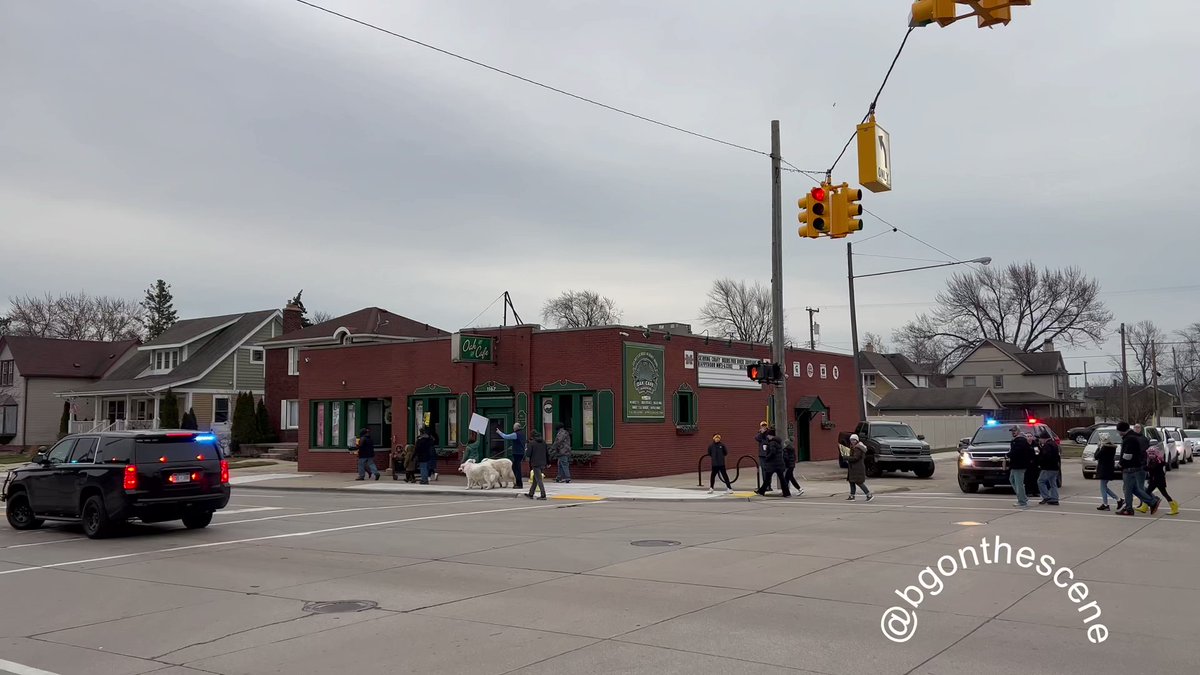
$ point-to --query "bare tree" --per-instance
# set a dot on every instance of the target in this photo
(741, 310)
(580, 309)
(1145, 342)
(1021, 304)
(75, 316)
(320, 316)
(912, 341)
(1185, 361)
(873, 342)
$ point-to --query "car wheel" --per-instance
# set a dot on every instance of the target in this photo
(873, 468)
(924, 472)
(1175, 464)
(20, 514)
(1089, 476)
(197, 520)
(967, 486)
(96, 524)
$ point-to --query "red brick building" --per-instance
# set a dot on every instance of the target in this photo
(638, 403)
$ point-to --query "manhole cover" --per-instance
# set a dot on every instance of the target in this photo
(339, 606)
(654, 542)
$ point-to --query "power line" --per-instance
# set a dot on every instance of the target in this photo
(532, 81)
(874, 101)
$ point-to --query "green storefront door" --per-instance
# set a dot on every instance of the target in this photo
(499, 412)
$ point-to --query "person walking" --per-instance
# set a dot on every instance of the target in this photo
(366, 456)
(856, 468)
(1020, 458)
(717, 453)
(761, 438)
(789, 463)
(1133, 470)
(1049, 460)
(1106, 457)
(561, 451)
(518, 451)
(1156, 464)
(539, 457)
(426, 454)
(773, 465)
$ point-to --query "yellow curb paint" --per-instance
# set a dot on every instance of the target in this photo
(741, 494)
(579, 498)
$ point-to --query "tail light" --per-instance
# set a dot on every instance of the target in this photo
(224, 472)
(131, 478)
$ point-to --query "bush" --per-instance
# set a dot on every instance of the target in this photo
(64, 423)
(262, 423)
(168, 412)
(189, 421)
(245, 425)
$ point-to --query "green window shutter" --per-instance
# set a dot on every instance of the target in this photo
(606, 430)
(523, 409)
(464, 418)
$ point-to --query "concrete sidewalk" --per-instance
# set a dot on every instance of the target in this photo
(818, 478)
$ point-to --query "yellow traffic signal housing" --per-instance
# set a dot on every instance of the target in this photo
(814, 212)
(846, 211)
(925, 12)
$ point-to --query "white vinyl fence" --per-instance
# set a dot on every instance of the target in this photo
(941, 432)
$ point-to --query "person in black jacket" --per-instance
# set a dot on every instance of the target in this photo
(774, 465)
(539, 457)
(1133, 469)
(1106, 457)
(1020, 459)
(366, 456)
(717, 453)
(789, 461)
(1049, 459)
(426, 454)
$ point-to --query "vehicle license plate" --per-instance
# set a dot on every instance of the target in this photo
(181, 478)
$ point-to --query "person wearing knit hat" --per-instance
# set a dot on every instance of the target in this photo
(717, 453)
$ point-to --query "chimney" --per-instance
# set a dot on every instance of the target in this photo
(1048, 345)
(291, 318)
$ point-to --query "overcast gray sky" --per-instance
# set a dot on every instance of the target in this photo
(243, 150)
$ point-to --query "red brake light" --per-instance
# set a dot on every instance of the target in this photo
(200, 457)
(224, 472)
(1033, 420)
(131, 477)
(163, 459)
(818, 194)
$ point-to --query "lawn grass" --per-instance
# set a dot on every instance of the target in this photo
(1071, 451)
(13, 459)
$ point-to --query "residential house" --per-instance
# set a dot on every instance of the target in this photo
(1108, 402)
(885, 373)
(1026, 383)
(205, 362)
(33, 368)
(283, 356)
(940, 401)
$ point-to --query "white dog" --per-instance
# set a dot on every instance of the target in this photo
(504, 469)
(482, 476)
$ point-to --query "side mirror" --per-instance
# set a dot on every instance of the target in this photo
(964, 442)
(40, 458)
(920, 437)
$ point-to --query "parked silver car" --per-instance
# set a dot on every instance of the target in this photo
(1191, 443)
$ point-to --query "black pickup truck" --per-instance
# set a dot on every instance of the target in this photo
(104, 479)
(894, 446)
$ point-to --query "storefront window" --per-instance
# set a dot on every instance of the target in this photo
(335, 423)
(319, 436)
(440, 413)
(589, 420)
(452, 419)
(575, 410)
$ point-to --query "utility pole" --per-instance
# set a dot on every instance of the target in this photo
(812, 336)
(1085, 379)
(1124, 379)
(858, 383)
(778, 353)
(1154, 379)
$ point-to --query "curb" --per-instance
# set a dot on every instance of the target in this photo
(501, 493)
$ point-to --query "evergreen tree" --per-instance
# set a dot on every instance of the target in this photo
(245, 426)
(159, 306)
(64, 424)
(189, 421)
(304, 322)
(168, 411)
(263, 422)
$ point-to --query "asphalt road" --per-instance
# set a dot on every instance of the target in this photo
(502, 585)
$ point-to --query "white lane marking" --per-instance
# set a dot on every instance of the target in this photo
(258, 477)
(43, 543)
(250, 509)
(1031, 509)
(18, 669)
(250, 540)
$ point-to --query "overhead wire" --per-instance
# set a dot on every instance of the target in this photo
(528, 80)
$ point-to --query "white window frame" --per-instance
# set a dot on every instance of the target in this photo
(257, 355)
(228, 409)
(164, 360)
(293, 360)
(971, 383)
(8, 372)
(286, 420)
(997, 382)
(869, 380)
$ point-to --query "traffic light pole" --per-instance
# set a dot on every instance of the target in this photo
(778, 355)
(858, 381)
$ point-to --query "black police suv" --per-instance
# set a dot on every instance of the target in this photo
(104, 479)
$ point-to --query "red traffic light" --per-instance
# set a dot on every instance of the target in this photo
(818, 193)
